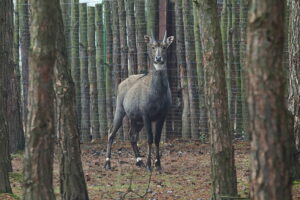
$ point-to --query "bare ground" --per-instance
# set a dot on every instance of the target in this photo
(185, 175)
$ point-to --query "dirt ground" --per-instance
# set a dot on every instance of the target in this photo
(185, 174)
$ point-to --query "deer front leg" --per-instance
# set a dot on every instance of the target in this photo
(133, 132)
(148, 127)
(159, 126)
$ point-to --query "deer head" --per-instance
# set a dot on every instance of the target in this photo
(159, 50)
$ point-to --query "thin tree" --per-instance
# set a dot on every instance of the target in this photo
(130, 25)
(266, 101)
(72, 181)
(180, 52)
(224, 181)
(84, 77)
(7, 62)
(190, 57)
(94, 115)
(108, 62)
(24, 43)
(40, 133)
(75, 61)
(101, 70)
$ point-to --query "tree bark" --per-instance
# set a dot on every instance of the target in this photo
(75, 61)
(101, 70)
(266, 101)
(130, 23)
(72, 181)
(25, 43)
(66, 13)
(94, 115)
(191, 67)
(7, 62)
(124, 55)
(40, 133)
(109, 65)
(84, 74)
(180, 52)
(224, 181)
(140, 25)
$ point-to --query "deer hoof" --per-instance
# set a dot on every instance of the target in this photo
(157, 166)
(140, 163)
(107, 165)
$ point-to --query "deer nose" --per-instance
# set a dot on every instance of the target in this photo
(158, 58)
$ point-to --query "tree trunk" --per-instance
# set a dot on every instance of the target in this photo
(180, 52)
(40, 133)
(25, 43)
(72, 181)
(101, 70)
(200, 75)
(140, 24)
(84, 74)
(75, 61)
(224, 23)
(7, 62)
(124, 55)
(15, 125)
(266, 101)
(224, 181)
(132, 51)
(294, 68)
(94, 115)
(66, 13)
(191, 67)
(109, 65)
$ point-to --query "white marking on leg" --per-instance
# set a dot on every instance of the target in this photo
(138, 159)
(155, 160)
(107, 159)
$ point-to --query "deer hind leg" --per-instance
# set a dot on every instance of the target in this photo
(148, 126)
(119, 115)
(135, 128)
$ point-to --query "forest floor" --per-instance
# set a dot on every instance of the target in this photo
(185, 174)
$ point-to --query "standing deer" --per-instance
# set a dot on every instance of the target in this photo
(144, 98)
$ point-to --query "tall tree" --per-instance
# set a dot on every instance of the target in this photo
(75, 61)
(180, 52)
(266, 101)
(130, 25)
(108, 62)
(140, 25)
(224, 181)
(66, 12)
(294, 68)
(84, 76)
(152, 17)
(24, 43)
(191, 66)
(94, 115)
(7, 62)
(101, 70)
(72, 181)
(124, 54)
(40, 122)
(15, 126)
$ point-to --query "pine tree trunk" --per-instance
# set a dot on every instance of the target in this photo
(180, 52)
(15, 125)
(266, 101)
(140, 25)
(109, 65)
(124, 55)
(101, 70)
(130, 23)
(94, 115)
(191, 67)
(84, 76)
(294, 68)
(200, 75)
(224, 23)
(7, 62)
(224, 181)
(40, 133)
(75, 61)
(72, 181)
(24, 43)
(66, 13)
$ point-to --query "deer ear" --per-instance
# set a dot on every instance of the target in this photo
(147, 39)
(169, 40)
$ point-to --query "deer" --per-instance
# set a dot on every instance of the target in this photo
(144, 99)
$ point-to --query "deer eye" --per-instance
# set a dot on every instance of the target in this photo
(153, 47)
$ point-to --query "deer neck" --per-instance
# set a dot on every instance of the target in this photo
(159, 66)
(160, 82)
